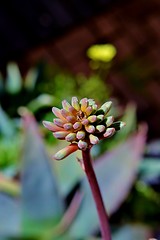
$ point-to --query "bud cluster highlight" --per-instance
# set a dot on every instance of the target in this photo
(82, 124)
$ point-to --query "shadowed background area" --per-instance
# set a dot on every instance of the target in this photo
(61, 32)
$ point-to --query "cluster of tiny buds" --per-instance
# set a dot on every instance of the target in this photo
(82, 123)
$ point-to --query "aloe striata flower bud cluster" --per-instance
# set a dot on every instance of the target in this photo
(82, 124)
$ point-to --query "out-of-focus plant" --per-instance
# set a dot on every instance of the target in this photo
(51, 82)
(101, 56)
(21, 91)
(93, 86)
(42, 85)
(34, 207)
(10, 141)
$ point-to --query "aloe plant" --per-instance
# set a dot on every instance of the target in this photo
(35, 203)
(84, 124)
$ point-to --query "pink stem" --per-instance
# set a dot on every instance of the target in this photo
(103, 217)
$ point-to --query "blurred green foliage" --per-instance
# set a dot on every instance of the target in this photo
(38, 210)
(51, 82)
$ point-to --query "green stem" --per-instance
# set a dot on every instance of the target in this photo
(103, 217)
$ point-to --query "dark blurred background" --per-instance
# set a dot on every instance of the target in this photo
(61, 31)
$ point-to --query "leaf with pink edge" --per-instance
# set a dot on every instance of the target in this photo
(41, 200)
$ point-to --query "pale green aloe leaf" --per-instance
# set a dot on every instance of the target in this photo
(43, 100)
(31, 78)
(116, 172)
(132, 232)
(41, 200)
(150, 168)
(153, 148)
(14, 79)
(9, 216)
(7, 128)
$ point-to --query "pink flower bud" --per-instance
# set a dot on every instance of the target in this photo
(109, 132)
(90, 128)
(81, 135)
(75, 103)
(66, 151)
(82, 145)
(51, 126)
(93, 139)
(71, 137)
(60, 135)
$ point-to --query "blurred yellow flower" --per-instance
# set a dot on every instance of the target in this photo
(102, 52)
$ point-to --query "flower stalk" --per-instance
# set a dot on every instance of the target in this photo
(103, 217)
(83, 125)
